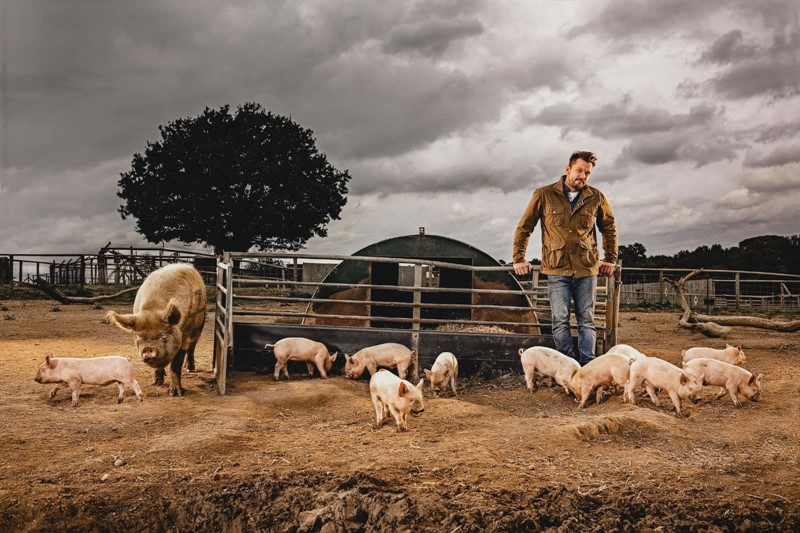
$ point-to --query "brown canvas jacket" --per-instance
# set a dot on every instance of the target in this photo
(569, 238)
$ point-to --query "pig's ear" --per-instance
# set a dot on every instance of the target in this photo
(346, 357)
(172, 315)
(126, 322)
(402, 389)
(684, 379)
(334, 356)
(427, 373)
(421, 384)
(49, 360)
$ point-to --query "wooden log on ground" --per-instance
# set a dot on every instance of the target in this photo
(56, 294)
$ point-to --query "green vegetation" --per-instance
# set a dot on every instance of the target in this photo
(233, 181)
(767, 253)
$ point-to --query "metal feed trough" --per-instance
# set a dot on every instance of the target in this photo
(429, 293)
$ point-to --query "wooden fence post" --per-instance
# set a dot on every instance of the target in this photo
(415, 314)
(736, 288)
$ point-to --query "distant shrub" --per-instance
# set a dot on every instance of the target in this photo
(55, 309)
(9, 316)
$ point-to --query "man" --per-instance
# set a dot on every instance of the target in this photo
(569, 210)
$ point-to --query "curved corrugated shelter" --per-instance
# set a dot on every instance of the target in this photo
(420, 247)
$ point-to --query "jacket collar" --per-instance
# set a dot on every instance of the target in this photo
(586, 193)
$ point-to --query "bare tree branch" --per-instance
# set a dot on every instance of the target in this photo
(717, 326)
(707, 328)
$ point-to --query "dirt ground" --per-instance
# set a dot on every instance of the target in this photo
(302, 455)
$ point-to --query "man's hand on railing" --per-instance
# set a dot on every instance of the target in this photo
(607, 269)
(522, 268)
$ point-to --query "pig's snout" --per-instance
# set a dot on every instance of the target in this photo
(37, 378)
(417, 412)
(149, 353)
(696, 399)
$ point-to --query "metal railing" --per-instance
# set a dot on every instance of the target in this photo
(248, 299)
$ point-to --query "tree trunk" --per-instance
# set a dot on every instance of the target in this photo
(707, 328)
(752, 322)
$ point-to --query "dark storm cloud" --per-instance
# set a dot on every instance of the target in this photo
(777, 76)
(761, 61)
(693, 146)
(772, 70)
(416, 99)
(728, 48)
(776, 132)
(431, 37)
(632, 21)
(779, 156)
(621, 119)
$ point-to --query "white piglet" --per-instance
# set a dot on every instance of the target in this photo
(549, 363)
(395, 395)
(656, 373)
(74, 372)
(305, 350)
(627, 351)
(731, 354)
(444, 372)
(605, 370)
(734, 380)
(386, 355)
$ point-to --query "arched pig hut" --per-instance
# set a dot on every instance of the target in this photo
(428, 292)
(336, 297)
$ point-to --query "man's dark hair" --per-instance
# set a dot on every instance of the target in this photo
(589, 157)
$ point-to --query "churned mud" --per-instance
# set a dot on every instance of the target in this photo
(302, 455)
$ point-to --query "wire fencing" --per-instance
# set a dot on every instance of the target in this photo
(726, 290)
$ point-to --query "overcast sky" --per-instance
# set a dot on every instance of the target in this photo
(447, 114)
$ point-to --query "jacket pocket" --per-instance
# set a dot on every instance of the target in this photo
(554, 256)
(554, 217)
(588, 254)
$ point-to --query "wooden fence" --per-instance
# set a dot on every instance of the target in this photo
(712, 289)
(123, 267)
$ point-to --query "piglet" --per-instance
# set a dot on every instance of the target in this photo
(605, 370)
(444, 372)
(657, 373)
(731, 354)
(734, 380)
(398, 396)
(387, 355)
(627, 351)
(305, 350)
(73, 372)
(549, 363)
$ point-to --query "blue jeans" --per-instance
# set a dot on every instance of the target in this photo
(562, 290)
